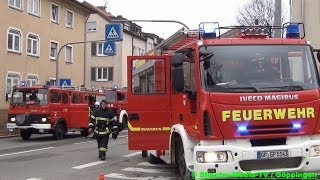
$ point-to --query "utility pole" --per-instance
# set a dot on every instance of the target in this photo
(277, 17)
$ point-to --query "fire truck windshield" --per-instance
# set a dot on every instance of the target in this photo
(111, 96)
(255, 68)
(29, 97)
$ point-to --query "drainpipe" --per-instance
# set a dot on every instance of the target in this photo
(132, 46)
(85, 51)
(302, 11)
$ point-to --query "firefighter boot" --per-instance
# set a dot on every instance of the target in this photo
(102, 153)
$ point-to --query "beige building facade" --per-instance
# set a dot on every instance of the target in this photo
(110, 71)
(307, 12)
(32, 31)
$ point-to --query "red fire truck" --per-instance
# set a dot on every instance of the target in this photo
(117, 99)
(214, 104)
(50, 110)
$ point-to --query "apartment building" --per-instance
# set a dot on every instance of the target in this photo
(32, 31)
(108, 71)
(307, 12)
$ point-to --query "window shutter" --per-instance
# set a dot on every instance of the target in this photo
(93, 48)
(110, 74)
(93, 74)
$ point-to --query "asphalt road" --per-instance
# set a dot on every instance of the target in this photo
(75, 158)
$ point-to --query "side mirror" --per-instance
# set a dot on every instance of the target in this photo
(177, 76)
(177, 59)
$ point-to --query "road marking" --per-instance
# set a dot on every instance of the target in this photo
(132, 169)
(88, 165)
(33, 179)
(132, 154)
(122, 136)
(9, 154)
(155, 165)
(83, 142)
(122, 176)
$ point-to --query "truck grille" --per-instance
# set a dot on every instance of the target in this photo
(250, 165)
(271, 129)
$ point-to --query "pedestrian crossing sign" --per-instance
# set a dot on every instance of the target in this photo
(113, 32)
(109, 48)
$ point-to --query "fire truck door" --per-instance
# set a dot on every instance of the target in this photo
(149, 102)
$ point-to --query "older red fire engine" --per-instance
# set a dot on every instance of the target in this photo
(212, 104)
(117, 100)
(50, 110)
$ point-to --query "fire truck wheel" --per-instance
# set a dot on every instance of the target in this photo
(59, 132)
(25, 134)
(84, 132)
(181, 163)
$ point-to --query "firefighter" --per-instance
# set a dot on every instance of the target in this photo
(103, 122)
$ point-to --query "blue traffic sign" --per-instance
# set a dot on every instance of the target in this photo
(65, 82)
(109, 48)
(114, 32)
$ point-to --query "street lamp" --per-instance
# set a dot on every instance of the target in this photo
(57, 58)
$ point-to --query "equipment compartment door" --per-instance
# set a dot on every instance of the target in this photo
(149, 102)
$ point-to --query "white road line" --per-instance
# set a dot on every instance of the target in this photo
(132, 154)
(33, 179)
(155, 165)
(122, 136)
(132, 169)
(84, 142)
(122, 176)
(88, 165)
(9, 154)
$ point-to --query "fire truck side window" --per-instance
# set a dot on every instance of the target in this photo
(65, 99)
(55, 97)
(149, 77)
(189, 75)
(75, 98)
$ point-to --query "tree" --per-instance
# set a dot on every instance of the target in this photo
(261, 10)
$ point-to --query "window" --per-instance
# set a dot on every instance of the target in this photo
(33, 45)
(17, 4)
(65, 98)
(92, 26)
(100, 49)
(75, 98)
(32, 80)
(102, 74)
(69, 19)
(149, 78)
(69, 52)
(55, 13)
(150, 46)
(34, 7)
(14, 40)
(127, 26)
(52, 81)
(55, 97)
(13, 79)
(54, 46)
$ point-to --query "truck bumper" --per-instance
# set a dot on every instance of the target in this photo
(11, 126)
(301, 158)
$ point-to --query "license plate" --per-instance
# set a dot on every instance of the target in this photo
(11, 126)
(272, 154)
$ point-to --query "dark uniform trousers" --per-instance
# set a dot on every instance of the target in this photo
(103, 122)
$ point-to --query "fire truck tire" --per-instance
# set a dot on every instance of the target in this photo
(25, 134)
(84, 132)
(59, 132)
(152, 159)
(181, 162)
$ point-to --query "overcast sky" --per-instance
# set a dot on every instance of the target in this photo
(187, 11)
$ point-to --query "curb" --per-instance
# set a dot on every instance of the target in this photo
(9, 136)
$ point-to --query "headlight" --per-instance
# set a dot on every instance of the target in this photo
(212, 157)
(315, 150)
(13, 119)
(43, 119)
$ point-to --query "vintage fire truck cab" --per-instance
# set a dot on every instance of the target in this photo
(249, 103)
(50, 110)
(117, 100)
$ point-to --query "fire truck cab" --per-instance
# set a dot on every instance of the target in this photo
(50, 110)
(248, 103)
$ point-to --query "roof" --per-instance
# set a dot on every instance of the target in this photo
(88, 8)
(99, 11)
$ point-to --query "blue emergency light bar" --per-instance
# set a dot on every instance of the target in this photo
(292, 31)
(208, 30)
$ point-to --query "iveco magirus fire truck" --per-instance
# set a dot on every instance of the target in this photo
(214, 104)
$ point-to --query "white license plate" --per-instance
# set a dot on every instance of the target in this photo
(272, 154)
(11, 126)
